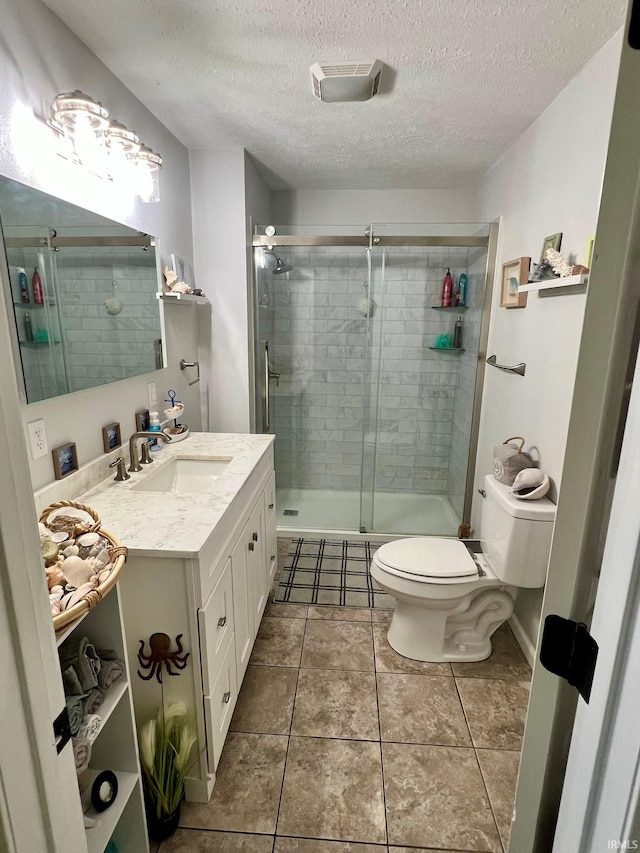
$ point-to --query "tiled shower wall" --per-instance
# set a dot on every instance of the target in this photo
(102, 347)
(319, 347)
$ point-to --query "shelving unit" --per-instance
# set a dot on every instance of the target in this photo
(448, 349)
(182, 298)
(555, 283)
(115, 747)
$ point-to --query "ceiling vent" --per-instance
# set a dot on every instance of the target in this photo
(346, 81)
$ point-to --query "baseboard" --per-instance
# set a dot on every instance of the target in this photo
(528, 649)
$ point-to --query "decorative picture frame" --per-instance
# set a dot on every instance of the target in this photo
(182, 269)
(65, 460)
(514, 273)
(553, 241)
(111, 437)
(142, 420)
(589, 258)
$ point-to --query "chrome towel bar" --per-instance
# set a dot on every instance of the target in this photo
(516, 368)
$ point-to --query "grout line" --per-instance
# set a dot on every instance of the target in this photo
(384, 793)
(484, 783)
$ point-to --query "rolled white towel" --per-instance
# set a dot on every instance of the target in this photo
(90, 727)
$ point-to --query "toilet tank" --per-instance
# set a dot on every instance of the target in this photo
(516, 535)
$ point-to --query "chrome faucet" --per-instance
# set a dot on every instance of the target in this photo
(121, 474)
(145, 459)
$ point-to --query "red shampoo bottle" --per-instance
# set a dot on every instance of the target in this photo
(447, 290)
(36, 287)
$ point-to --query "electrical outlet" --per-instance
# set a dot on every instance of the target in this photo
(37, 439)
(151, 388)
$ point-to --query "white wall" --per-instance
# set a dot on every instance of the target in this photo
(549, 181)
(352, 207)
(40, 58)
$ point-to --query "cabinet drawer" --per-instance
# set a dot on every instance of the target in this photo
(270, 502)
(218, 707)
(215, 623)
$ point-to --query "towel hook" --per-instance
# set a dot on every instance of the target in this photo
(515, 368)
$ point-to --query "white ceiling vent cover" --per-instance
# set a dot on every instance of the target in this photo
(346, 81)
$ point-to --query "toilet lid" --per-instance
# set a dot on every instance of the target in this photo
(428, 557)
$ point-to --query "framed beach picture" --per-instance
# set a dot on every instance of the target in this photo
(142, 420)
(111, 437)
(65, 460)
(182, 269)
(514, 273)
(553, 241)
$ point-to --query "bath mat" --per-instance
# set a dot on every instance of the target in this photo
(327, 571)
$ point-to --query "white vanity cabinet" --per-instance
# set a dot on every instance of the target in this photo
(215, 600)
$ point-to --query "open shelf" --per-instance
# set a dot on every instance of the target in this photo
(555, 283)
(28, 305)
(182, 298)
(36, 344)
(98, 836)
(448, 349)
(458, 309)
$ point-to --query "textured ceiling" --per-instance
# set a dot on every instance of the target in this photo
(465, 78)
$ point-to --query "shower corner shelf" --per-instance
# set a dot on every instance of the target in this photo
(448, 349)
(184, 298)
(458, 309)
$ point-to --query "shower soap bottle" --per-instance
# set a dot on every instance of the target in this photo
(447, 290)
(24, 287)
(154, 426)
(461, 292)
(36, 286)
(457, 333)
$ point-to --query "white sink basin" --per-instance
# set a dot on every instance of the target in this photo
(185, 476)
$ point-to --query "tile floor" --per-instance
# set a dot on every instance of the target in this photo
(340, 745)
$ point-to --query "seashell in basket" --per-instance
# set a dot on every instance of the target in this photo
(71, 551)
(87, 540)
(102, 558)
(77, 571)
(55, 576)
(49, 551)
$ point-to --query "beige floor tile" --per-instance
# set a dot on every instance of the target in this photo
(279, 642)
(506, 661)
(495, 710)
(199, 841)
(312, 845)
(435, 796)
(500, 771)
(247, 790)
(332, 703)
(265, 703)
(333, 790)
(382, 616)
(346, 614)
(388, 660)
(284, 610)
(338, 645)
(424, 850)
(421, 709)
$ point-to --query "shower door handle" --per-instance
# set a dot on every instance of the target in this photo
(267, 376)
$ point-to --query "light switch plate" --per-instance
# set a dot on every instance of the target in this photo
(151, 388)
(37, 439)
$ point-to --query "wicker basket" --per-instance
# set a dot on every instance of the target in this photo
(117, 552)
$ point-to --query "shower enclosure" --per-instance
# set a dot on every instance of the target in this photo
(375, 425)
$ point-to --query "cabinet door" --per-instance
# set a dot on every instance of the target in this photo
(258, 575)
(218, 708)
(216, 623)
(242, 603)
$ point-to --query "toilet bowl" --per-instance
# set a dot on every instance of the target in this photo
(449, 601)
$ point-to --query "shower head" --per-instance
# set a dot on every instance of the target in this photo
(281, 266)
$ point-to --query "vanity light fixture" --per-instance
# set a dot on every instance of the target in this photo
(106, 148)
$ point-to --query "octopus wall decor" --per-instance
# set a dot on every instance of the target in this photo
(160, 653)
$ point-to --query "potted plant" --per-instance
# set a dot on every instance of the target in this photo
(165, 746)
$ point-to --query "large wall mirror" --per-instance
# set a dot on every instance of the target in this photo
(83, 291)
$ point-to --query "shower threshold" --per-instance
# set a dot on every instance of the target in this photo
(332, 512)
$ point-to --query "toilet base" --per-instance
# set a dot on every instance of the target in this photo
(461, 633)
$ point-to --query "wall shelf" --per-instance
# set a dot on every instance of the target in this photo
(182, 298)
(555, 283)
(448, 349)
(458, 309)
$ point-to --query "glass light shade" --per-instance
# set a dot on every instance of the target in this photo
(118, 137)
(67, 108)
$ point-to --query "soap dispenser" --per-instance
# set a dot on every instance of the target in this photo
(154, 426)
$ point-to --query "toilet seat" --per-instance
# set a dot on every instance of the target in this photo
(428, 560)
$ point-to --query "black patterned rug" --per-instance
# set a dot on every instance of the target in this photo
(327, 571)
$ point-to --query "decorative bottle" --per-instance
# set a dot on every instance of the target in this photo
(154, 426)
(447, 290)
(36, 286)
(457, 333)
(24, 287)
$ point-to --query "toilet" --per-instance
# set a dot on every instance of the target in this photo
(449, 601)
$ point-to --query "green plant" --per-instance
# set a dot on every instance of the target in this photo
(165, 746)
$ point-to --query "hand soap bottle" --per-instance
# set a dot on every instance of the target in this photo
(154, 426)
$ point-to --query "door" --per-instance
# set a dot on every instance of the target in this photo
(607, 356)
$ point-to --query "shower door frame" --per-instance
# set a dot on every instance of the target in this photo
(370, 240)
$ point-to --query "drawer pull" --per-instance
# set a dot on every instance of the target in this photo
(222, 621)
(226, 697)
(251, 546)
(255, 537)
(270, 506)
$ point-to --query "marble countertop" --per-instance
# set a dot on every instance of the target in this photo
(177, 525)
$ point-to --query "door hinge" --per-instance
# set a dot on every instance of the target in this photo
(62, 730)
(569, 650)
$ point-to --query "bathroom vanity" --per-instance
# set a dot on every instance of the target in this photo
(200, 525)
